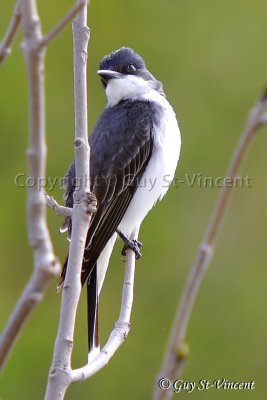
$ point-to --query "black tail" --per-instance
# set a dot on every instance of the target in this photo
(92, 310)
(92, 305)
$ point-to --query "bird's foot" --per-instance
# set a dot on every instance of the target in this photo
(133, 244)
(90, 203)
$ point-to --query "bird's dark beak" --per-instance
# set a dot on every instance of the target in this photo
(107, 74)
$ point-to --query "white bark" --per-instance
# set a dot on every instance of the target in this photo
(59, 210)
(59, 375)
(121, 329)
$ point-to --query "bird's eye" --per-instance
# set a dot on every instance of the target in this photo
(131, 68)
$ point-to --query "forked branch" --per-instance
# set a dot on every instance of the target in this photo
(61, 376)
(63, 22)
(46, 265)
(121, 329)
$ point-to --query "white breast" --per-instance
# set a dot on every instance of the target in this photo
(155, 180)
(160, 170)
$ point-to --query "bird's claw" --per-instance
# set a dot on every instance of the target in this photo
(135, 245)
(91, 203)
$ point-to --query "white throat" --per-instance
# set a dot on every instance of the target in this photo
(128, 87)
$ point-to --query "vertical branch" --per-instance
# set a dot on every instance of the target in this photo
(45, 263)
(176, 352)
(59, 375)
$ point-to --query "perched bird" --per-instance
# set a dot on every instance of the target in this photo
(135, 147)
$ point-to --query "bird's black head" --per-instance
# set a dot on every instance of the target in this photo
(124, 75)
(124, 61)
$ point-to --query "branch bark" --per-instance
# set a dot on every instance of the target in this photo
(121, 329)
(7, 40)
(59, 375)
(176, 352)
(59, 210)
(46, 265)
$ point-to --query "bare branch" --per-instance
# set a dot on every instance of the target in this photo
(65, 20)
(46, 266)
(10, 34)
(175, 355)
(59, 375)
(31, 296)
(121, 329)
(59, 210)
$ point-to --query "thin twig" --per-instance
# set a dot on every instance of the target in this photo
(59, 210)
(46, 266)
(59, 375)
(176, 352)
(10, 34)
(65, 20)
(121, 329)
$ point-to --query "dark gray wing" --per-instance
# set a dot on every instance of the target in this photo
(121, 146)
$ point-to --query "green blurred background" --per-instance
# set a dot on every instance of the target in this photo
(211, 57)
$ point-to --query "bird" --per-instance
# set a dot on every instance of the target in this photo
(135, 147)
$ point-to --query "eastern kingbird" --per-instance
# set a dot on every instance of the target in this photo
(135, 147)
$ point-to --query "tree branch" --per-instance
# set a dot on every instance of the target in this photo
(59, 375)
(31, 296)
(176, 352)
(10, 34)
(121, 329)
(59, 210)
(46, 266)
(65, 20)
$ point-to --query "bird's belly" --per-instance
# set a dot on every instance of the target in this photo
(159, 173)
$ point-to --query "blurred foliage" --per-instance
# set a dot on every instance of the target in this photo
(211, 57)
